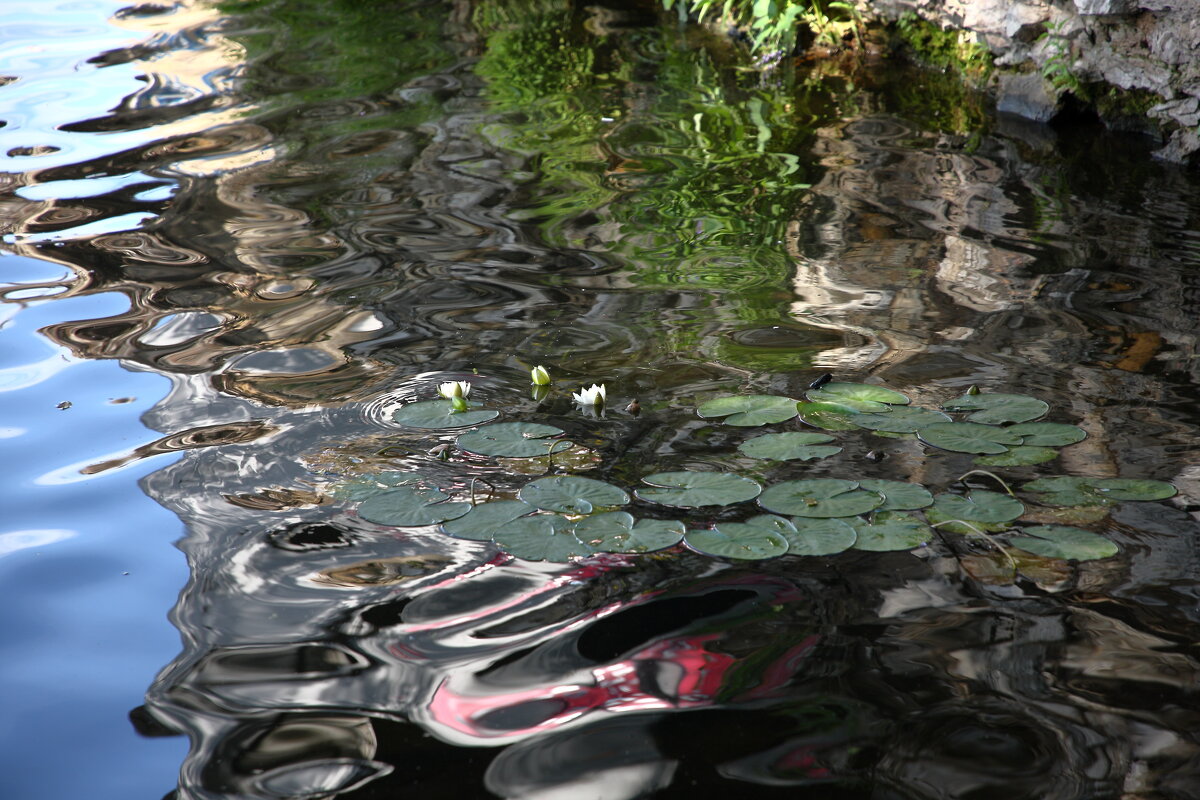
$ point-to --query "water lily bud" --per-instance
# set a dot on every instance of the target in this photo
(453, 389)
(594, 395)
(458, 404)
(539, 376)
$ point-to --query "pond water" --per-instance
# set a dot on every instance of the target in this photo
(238, 238)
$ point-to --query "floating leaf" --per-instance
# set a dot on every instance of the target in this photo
(482, 521)
(1134, 489)
(749, 410)
(898, 495)
(901, 420)
(823, 497)
(789, 446)
(406, 507)
(985, 510)
(739, 540)
(514, 440)
(859, 396)
(996, 567)
(968, 437)
(828, 416)
(1063, 490)
(695, 489)
(365, 486)
(1048, 434)
(571, 494)
(1019, 456)
(616, 532)
(542, 537)
(891, 532)
(1062, 541)
(993, 409)
(441, 414)
(819, 537)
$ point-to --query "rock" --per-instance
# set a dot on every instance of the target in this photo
(1105, 8)
(1180, 148)
(1026, 95)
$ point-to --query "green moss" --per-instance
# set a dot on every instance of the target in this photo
(951, 50)
(1113, 102)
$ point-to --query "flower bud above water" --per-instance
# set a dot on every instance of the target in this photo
(594, 395)
(453, 389)
(539, 376)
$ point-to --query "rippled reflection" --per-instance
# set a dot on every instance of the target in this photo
(300, 252)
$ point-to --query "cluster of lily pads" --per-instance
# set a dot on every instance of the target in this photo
(561, 517)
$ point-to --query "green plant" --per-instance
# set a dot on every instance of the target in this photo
(1057, 66)
(945, 49)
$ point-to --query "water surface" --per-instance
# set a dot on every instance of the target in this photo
(238, 236)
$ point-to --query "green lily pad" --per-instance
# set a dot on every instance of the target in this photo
(695, 489)
(901, 420)
(891, 532)
(898, 495)
(968, 437)
(789, 446)
(823, 497)
(1065, 542)
(1019, 456)
(571, 494)
(616, 532)
(365, 486)
(1048, 434)
(828, 416)
(434, 414)
(740, 540)
(405, 507)
(482, 521)
(987, 511)
(542, 537)
(859, 396)
(514, 440)
(749, 410)
(1063, 490)
(993, 409)
(819, 537)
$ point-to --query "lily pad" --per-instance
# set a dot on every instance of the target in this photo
(898, 495)
(859, 396)
(823, 497)
(1065, 542)
(901, 420)
(740, 540)
(828, 416)
(1048, 434)
(616, 532)
(1019, 456)
(985, 510)
(993, 409)
(695, 489)
(542, 537)
(571, 494)
(482, 521)
(890, 532)
(789, 446)
(1063, 490)
(819, 537)
(514, 440)
(365, 486)
(749, 410)
(405, 507)
(968, 437)
(433, 414)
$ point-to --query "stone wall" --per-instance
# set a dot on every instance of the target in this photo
(1147, 45)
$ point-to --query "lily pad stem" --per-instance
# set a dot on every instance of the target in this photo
(991, 475)
(978, 532)
(485, 483)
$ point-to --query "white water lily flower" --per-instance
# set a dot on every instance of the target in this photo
(594, 395)
(452, 389)
(540, 376)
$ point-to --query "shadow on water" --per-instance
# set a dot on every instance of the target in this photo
(366, 199)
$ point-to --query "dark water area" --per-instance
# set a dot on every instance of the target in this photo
(237, 237)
